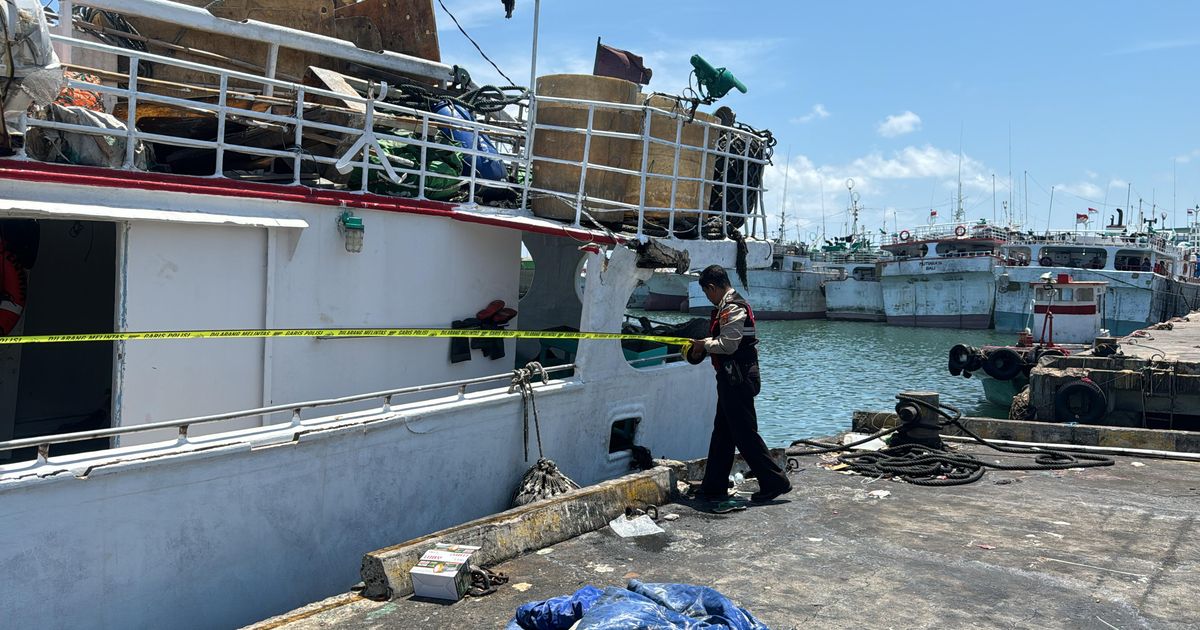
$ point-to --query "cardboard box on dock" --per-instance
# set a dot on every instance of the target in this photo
(443, 572)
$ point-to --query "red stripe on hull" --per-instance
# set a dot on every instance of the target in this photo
(1067, 309)
(110, 178)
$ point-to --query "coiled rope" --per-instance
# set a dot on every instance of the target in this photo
(926, 466)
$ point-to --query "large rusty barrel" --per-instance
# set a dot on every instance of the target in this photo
(660, 160)
(562, 145)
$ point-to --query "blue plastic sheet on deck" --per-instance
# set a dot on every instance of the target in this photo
(641, 605)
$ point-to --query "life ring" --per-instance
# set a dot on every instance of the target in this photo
(904, 235)
(1003, 364)
(1080, 401)
(960, 231)
(13, 291)
(1046, 261)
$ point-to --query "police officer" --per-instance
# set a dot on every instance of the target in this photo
(732, 346)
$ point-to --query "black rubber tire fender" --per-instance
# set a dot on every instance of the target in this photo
(1003, 364)
(1046, 261)
(1080, 401)
(959, 358)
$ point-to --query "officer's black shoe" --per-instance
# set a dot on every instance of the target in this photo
(762, 496)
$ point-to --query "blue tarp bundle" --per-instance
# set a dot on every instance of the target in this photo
(641, 605)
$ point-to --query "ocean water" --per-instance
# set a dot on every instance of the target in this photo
(817, 373)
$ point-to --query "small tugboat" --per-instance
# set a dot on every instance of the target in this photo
(1069, 316)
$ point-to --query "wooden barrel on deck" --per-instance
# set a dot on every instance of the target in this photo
(660, 160)
(615, 152)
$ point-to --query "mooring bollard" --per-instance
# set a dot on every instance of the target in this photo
(918, 423)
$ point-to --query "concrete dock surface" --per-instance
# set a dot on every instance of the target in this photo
(1112, 547)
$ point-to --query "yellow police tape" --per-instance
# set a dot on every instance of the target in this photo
(341, 332)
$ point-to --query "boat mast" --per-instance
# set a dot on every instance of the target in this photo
(787, 168)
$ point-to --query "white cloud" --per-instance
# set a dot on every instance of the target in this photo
(899, 124)
(817, 112)
(1087, 190)
(1187, 157)
(876, 178)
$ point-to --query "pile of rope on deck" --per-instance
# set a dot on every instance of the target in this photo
(924, 465)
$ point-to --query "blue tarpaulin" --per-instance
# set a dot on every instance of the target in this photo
(641, 605)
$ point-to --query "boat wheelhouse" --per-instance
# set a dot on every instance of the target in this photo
(310, 183)
(1067, 318)
(941, 276)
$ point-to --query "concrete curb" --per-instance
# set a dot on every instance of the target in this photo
(508, 534)
(1053, 433)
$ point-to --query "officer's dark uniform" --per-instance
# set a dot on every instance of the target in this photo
(736, 423)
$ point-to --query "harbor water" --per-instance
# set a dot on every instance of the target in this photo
(817, 372)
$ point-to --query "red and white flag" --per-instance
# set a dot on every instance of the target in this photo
(933, 213)
(1092, 211)
(1081, 217)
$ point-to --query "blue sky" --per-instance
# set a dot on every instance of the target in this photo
(1096, 95)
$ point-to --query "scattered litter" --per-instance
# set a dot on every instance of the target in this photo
(671, 517)
(522, 586)
(879, 494)
(631, 575)
(1137, 464)
(1005, 482)
(873, 445)
(815, 539)
(986, 546)
(633, 527)
(602, 568)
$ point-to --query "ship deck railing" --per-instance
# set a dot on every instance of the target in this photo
(947, 231)
(1094, 238)
(183, 425)
(354, 161)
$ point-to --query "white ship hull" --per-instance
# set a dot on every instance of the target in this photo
(854, 300)
(262, 516)
(939, 292)
(668, 291)
(774, 295)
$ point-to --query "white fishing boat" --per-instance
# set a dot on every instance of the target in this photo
(1068, 317)
(941, 275)
(668, 291)
(789, 289)
(854, 293)
(213, 482)
(1143, 271)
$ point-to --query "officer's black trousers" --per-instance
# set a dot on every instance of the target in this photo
(736, 425)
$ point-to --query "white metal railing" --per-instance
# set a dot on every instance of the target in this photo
(351, 156)
(183, 425)
(942, 231)
(1095, 238)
